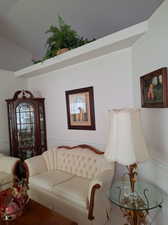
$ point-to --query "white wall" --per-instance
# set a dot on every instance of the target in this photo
(8, 85)
(150, 53)
(111, 77)
(13, 57)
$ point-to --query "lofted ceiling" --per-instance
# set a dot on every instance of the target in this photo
(25, 21)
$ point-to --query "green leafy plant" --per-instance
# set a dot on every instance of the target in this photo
(62, 36)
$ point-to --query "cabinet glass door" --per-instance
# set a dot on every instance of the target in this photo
(42, 128)
(25, 117)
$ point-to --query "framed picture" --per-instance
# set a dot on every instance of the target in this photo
(154, 89)
(80, 109)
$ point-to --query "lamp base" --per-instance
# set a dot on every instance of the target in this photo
(135, 217)
(132, 175)
(130, 196)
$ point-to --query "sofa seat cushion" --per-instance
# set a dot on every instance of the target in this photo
(5, 178)
(74, 190)
(49, 179)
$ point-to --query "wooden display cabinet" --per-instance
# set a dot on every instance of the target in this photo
(27, 125)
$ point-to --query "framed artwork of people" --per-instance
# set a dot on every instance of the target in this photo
(154, 89)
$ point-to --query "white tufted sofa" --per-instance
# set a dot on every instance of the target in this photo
(72, 181)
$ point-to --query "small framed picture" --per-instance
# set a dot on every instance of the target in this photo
(154, 89)
(80, 109)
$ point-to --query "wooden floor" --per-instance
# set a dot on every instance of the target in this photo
(36, 214)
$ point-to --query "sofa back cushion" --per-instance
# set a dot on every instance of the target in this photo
(36, 165)
(50, 158)
(81, 162)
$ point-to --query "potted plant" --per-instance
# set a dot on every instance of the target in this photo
(61, 39)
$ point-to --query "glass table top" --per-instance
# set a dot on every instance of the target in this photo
(146, 196)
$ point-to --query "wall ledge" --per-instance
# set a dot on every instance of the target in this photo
(111, 43)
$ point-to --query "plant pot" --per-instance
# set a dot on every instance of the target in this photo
(61, 51)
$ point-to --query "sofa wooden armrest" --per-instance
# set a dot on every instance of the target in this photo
(103, 182)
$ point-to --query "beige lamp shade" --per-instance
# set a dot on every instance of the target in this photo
(126, 144)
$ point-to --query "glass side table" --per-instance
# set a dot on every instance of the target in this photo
(136, 206)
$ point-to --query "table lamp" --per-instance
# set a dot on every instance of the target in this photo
(126, 144)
